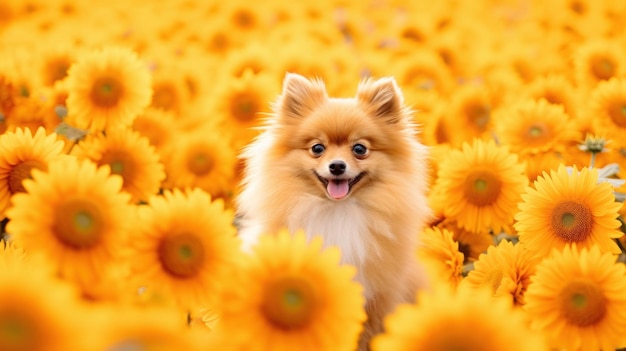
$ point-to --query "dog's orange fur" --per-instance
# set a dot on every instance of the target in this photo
(377, 223)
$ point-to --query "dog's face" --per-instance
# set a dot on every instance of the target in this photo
(339, 146)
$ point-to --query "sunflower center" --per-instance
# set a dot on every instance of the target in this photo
(536, 131)
(165, 97)
(78, 223)
(617, 112)
(20, 172)
(478, 115)
(57, 69)
(200, 163)
(16, 333)
(244, 19)
(602, 68)
(182, 255)
(582, 303)
(289, 302)
(244, 108)
(106, 92)
(572, 221)
(482, 188)
(119, 162)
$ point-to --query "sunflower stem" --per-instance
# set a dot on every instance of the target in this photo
(592, 163)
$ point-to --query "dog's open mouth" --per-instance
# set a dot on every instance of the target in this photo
(338, 188)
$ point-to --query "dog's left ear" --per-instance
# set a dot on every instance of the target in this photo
(382, 99)
(300, 97)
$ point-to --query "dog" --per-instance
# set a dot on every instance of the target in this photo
(350, 170)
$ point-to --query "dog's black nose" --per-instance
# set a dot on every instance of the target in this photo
(337, 167)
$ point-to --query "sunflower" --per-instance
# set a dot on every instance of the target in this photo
(565, 208)
(470, 114)
(253, 57)
(243, 18)
(30, 320)
(107, 88)
(577, 300)
(546, 161)
(203, 159)
(438, 250)
(219, 40)
(597, 61)
(32, 113)
(154, 329)
(447, 320)
(20, 152)
(8, 95)
(55, 64)
(243, 101)
(426, 71)
(471, 244)
(479, 186)
(533, 127)
(556, 90)
(506, 269)
(168, 93)
(184, 245)
(128, 154)
(291, 295)
(608, 108)
(159, 127)
(75, 217)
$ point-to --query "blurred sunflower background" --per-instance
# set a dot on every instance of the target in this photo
(120, 123)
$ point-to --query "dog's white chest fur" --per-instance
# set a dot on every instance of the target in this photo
(341, 224)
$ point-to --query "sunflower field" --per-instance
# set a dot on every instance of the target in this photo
(120, 127)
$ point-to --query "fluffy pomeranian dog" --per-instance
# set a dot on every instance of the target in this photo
(350, 170)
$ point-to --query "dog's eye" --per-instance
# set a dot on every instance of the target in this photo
(359, 150)
(317, 149)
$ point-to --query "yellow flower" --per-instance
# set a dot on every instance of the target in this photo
(505, 269)
(556, 90)
(577, 300)
(469, 115)
(438, 250)
(183, 246)
(32, 113)
(608, 109)
(75, 217)
(424, 70)
(242, 103)
(471, 244)
(533, 127)
(597, 61)
(456, 320)
(21, 152)
(107, 88)
(543, 162)
(36, 321)
(292, 295)
(567, 208)
(159, 127)
(479, 186)
(56, 63)
(202, 159)
(129, 155)
(131, 328)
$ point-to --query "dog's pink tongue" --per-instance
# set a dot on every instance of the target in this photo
(338, 189)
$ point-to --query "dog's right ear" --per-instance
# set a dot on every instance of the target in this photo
(300, 96)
